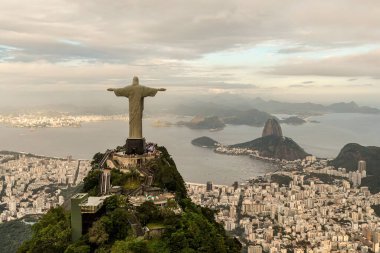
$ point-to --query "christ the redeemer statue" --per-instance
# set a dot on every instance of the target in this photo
(136, 94)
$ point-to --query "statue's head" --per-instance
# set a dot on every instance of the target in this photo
(135, 80)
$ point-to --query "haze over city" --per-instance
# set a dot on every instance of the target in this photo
(70, 52)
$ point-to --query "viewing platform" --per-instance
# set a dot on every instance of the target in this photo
(92, 204)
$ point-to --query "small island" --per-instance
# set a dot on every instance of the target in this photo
(205, 142)
(293, 120)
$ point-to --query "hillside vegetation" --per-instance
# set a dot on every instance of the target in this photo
(352, 153)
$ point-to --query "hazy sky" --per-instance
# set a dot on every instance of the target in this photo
(286, 49)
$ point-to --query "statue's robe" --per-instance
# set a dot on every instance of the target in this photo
(136, 94)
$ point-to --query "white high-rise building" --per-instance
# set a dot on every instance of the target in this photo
(61, 200)
(362, 165)
(255, 249)
(12, 206)
(233, 212)
(356, 178)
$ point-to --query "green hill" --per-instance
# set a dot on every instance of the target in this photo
(275, 147)
(352, 153)
(13, 233)
(194, 229)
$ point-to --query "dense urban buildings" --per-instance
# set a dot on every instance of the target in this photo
(42, 120)
(306, 206)
(32, 184)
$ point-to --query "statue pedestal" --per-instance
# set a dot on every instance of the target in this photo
(135, 146)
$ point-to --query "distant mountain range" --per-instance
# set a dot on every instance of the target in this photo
(251, 117)
(240, 110)
(200, 122)
(224, 105)
(300, 108)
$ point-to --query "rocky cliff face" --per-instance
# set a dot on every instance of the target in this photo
(273, 145)
(272, 127)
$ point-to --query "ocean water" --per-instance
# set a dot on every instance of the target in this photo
(196, 164)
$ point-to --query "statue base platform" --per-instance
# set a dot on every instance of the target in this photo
(135, 146)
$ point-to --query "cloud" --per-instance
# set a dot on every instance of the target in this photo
(70, 42)
(359, 85)
(299, 86)
(298, 49)
(339, 86)
(359, 65)
(216, 85)
(218, 91)
(304, 84)
(123, 31)
(93, 44)
(222, 85)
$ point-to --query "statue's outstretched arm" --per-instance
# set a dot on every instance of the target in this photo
(120, 92)
(161, 89)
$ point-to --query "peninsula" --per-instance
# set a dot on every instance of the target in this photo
(271, 146)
